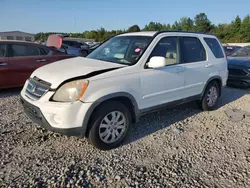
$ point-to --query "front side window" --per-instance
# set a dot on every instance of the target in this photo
(3, 50)
(122, 49)
(167, 48)
(19, 50)
(192, 50)
(215, 47)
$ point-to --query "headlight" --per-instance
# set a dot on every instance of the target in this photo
(71, 91)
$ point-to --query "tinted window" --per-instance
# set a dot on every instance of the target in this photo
(192, 50)
(44, 51)
(24, 50)
(242, 52)
(215, 47)
(67, 43)
(72, 43)
(2, 50)
(167, 48)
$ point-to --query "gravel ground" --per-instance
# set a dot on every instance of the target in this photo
(180, 147)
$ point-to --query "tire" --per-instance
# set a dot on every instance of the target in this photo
(100, 127)
(84, 53)
(205, 104)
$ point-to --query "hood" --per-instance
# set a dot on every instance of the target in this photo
(239, 61)
(60, 71)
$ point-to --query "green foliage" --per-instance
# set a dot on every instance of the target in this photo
(237, 31)
(134, 28)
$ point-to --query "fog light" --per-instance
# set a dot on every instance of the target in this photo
(57, 119)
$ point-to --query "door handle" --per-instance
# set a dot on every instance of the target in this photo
(41, 60)
(208, 65)
(3, 64)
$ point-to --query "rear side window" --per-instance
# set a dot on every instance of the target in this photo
(19, 50)
(214, 47)
(192, 50)
(2, 50)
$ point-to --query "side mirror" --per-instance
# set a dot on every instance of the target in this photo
(157, 62)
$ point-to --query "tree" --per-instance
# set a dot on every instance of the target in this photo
(176, 26)
(186, 24)
(202, 23)
(134, 28)
(237, 31)
(245, 29)
(153, 26)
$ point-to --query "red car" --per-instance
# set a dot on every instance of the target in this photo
(18, 59)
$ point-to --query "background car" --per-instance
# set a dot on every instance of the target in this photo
(18, 59)
(229, 50)
(239, 68)
(76, 47)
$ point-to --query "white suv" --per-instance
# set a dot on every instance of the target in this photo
(102, 95)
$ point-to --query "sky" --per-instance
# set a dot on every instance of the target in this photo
(80, 15)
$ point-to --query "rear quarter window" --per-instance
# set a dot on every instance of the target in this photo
(214, 47)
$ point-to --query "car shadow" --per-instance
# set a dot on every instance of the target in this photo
(231, 94)
(10, 92)
(151, 123)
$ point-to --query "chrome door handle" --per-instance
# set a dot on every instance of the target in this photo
(208, 65)
(3, 64)
(41, 60)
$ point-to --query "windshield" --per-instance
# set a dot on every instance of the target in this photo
(242, 52)
(122, 49)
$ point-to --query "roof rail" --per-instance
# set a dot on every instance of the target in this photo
(171, 31)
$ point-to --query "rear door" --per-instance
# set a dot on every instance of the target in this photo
(194, 59)
(4, 79)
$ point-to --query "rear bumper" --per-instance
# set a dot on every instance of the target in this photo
(35, 114)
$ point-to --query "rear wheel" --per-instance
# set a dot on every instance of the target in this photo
(84, 53)
(210, 98)
(109, 126)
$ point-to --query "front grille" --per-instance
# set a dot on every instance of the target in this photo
(36, 88)
(237, 72)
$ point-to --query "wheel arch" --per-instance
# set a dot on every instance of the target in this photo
(127, 99)
(216, 79)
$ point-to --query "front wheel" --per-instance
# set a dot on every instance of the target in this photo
(109, 126)
(210, 98)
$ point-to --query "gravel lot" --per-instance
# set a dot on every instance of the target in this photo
(180, 147)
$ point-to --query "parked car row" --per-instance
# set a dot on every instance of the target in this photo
(230, 49)
(99, 96)
(18, 59)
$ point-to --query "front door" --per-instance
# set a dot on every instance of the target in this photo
(163, 85)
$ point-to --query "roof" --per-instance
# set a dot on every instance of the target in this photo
(154, 33)
(141, 33)
(16, 32)
(19, 41)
